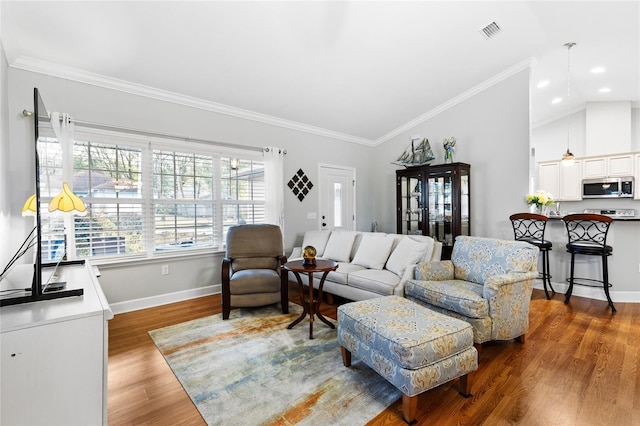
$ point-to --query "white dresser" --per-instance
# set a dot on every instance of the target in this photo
(53, 363)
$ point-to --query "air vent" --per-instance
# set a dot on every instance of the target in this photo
(491, 30)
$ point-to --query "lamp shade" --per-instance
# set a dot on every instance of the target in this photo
(66, 201)
(29, 208)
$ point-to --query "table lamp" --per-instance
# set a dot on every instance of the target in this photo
(66, 201)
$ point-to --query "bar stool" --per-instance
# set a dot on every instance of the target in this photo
(530, 227)
(588, 236)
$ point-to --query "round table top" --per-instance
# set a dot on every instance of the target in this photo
(322, 265)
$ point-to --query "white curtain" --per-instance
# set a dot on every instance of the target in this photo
(274, 185)
(63, 128)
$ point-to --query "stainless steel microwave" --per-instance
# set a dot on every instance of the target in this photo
(621, 187)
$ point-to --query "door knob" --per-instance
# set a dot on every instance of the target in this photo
(324, 224)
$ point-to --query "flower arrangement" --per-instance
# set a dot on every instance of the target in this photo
(540, 199)
(449, 144)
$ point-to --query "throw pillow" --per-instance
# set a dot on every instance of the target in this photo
(317, 239)
(407, 252)
(373, 251)
(339, 246)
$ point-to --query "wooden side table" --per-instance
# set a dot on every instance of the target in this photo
(311, 304)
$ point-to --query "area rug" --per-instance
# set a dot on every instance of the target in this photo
(252, 370)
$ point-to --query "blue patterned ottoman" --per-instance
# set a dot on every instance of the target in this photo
(411, 346)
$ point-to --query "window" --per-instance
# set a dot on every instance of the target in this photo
(148, 196)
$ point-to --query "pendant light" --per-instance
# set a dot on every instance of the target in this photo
(568, 159)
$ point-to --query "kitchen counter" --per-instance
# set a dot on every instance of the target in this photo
(615, 218)
(618, 215)
(624, 264)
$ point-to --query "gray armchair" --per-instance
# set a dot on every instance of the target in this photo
(251, 269)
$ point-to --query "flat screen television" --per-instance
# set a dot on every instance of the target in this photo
(37, 291)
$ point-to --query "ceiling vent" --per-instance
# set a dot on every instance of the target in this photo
(491, 30)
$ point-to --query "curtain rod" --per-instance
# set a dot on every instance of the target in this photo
(93, 125)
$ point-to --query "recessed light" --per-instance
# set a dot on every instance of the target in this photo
(604, 90)
(556, 101)
(597, 70)
(543, 83)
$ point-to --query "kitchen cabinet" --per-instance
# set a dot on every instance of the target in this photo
(570, 187)
(54, 353)
(549, 178)
(609, 166)
(434, 200)
(563, 182)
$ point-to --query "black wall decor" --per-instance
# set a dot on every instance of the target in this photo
(300, 185)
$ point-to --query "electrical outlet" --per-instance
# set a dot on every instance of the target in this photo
(165, 269)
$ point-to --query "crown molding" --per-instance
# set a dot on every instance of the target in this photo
(73, 74)
(520, 66)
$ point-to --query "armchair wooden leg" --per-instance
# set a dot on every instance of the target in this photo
(478, 347)
(520, 339)
(465, 386)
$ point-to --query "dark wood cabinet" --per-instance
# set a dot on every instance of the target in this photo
(434, 200)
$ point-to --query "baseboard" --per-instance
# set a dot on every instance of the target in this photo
(164, 299)
(596, 293)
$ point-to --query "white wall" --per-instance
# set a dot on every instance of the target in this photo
(492, 129)
(608, 128)
(5, 249)
(96, 104)
(550, 140)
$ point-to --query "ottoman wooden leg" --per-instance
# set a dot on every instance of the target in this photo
(346, 356)
(409, 408)
(465, 386)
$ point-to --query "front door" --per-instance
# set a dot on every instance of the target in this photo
(337, 198)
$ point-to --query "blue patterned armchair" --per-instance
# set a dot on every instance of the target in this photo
(487, 283)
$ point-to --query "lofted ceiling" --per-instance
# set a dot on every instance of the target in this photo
(357, 71)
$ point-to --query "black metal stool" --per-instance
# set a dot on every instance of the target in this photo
(588, 235)
(529, 227)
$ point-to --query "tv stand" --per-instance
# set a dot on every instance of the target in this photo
(54, 353)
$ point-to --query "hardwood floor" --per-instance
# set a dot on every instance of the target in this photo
(580, 365)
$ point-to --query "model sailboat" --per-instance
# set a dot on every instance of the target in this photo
(416, 155)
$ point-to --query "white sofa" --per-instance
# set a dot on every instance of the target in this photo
(371, 264)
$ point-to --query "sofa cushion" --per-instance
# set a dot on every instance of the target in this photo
(373, 251)
(339, 246)
(378, 281)
(463, 297)
(316, 239)
(341, 275)
(408, 252)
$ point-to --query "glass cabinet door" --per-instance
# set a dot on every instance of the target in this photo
(440, 208)
(411, 204)
(465, 228)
